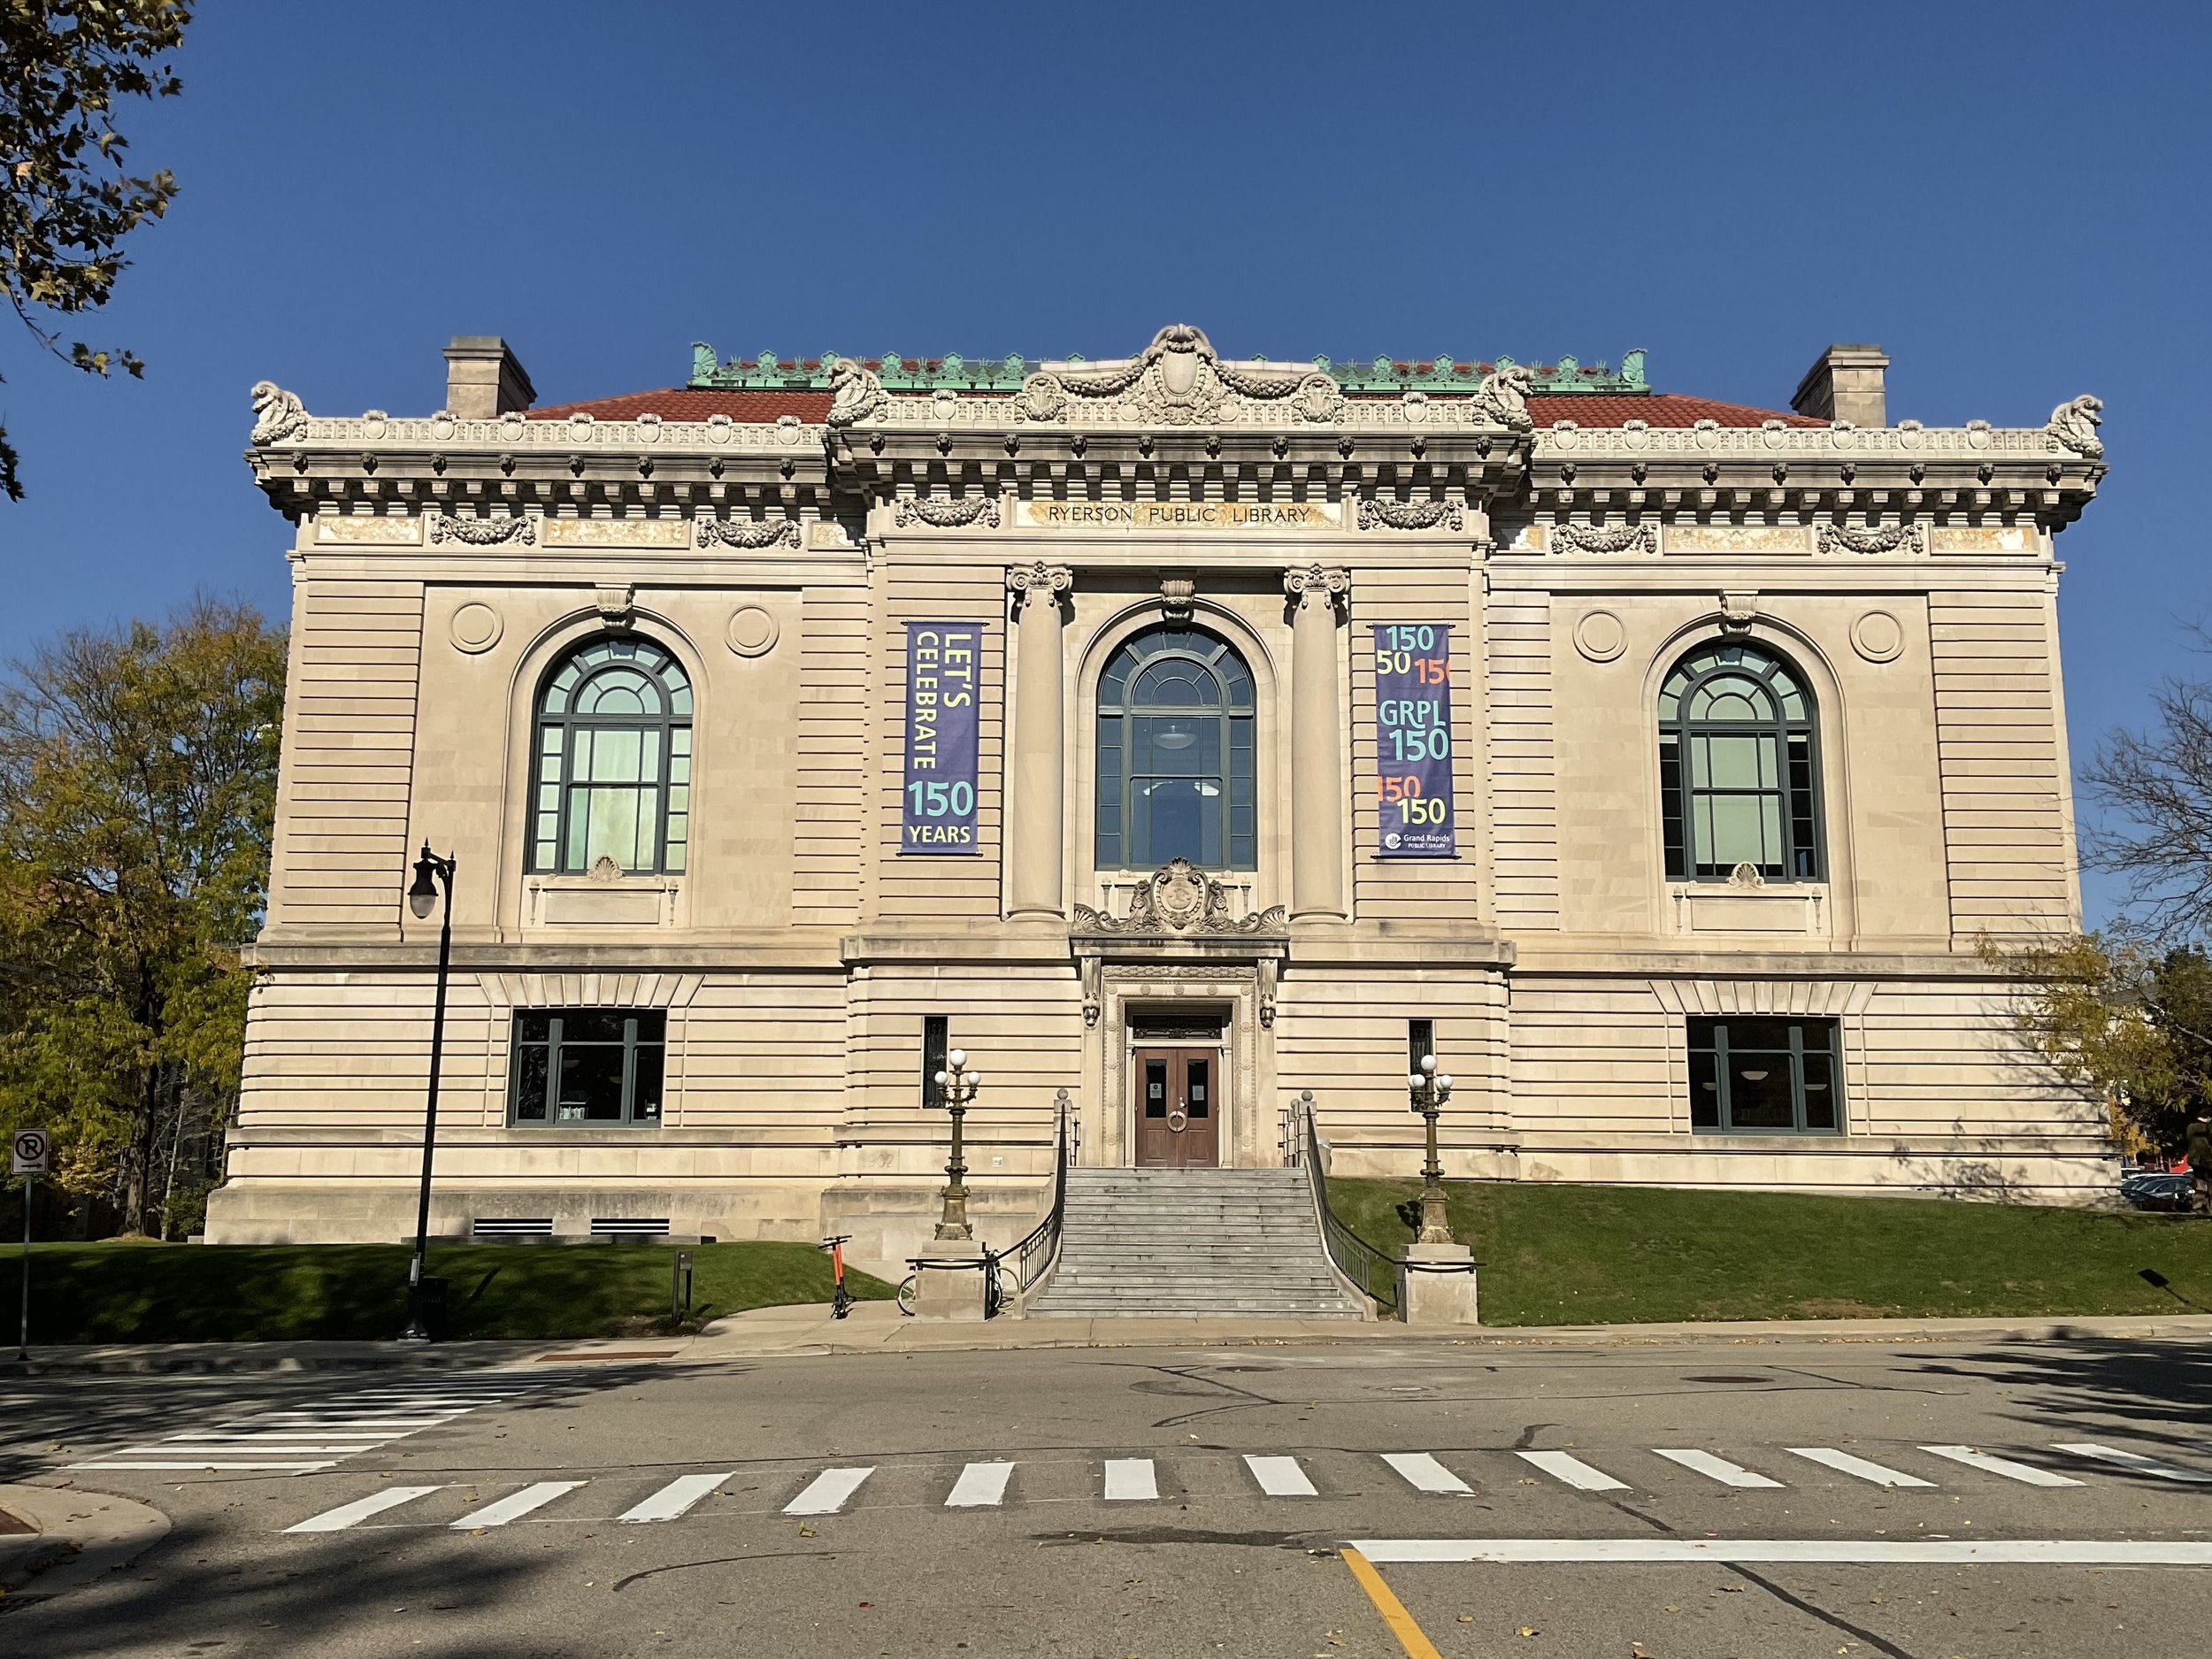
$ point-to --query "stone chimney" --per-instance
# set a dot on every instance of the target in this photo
(1846, 384)
(483, 379)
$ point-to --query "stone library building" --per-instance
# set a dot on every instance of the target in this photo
(1192, 744)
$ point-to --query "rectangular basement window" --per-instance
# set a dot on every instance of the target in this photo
(629, 1226)
(1755, 1076)
(512, 1227)
(587, 1067)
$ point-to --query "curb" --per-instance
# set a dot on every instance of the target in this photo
(228, 1358)
(80, 1537)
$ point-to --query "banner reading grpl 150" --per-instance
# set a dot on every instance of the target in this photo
(1413, 740)
(943, 670)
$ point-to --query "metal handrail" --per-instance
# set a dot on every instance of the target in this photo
(1357, 1260)
(1034, 1257)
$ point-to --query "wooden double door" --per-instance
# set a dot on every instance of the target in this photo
(1178, 1106)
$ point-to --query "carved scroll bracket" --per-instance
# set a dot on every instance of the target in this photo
(1317, 584)
(1039, 580)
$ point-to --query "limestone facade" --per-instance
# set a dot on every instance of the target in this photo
(770, 532)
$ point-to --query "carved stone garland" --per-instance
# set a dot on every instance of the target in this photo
(483, 532)
(946, 512)
(1619, 538)
(747, 532)
(1410, 515)
(1881, 538)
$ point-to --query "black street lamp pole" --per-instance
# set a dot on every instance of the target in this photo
(1431, 1090)
(432, 874)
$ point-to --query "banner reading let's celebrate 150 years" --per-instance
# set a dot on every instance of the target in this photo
(943, 669)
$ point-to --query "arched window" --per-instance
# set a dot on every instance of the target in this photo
(1175, 754)
(1739, 768)
(613, 761)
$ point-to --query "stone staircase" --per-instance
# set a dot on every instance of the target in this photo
(1229, 1242)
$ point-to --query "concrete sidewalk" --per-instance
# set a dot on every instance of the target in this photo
(876, 1327)
(53, 1541)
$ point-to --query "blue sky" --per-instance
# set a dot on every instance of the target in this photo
(2010, 199)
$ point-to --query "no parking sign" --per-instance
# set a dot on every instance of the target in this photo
(32, 1151)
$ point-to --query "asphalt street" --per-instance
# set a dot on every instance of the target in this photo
(1362, 1501)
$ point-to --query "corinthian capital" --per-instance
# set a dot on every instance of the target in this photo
(1039, 580)
(1317, 584)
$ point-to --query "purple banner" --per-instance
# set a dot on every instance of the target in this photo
(1413, 740)
(943, 663)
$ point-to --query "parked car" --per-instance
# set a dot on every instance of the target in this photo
(2157, 1189)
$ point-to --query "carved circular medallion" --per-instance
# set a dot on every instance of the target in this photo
(1600, 636)
(752, 631)
(1878, 637)
(475, 627)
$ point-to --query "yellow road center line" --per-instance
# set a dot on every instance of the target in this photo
(1409, 1636)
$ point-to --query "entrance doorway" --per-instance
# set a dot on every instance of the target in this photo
(1177, 1090)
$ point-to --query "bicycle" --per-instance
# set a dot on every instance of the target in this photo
(840, 1299)
(998, 1288)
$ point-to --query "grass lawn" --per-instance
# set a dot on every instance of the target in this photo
(1559, 1255)
(241, 1292)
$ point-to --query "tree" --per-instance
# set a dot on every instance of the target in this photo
(66, 201)
(2158, 788)
(2125, 1016)
(137, 787)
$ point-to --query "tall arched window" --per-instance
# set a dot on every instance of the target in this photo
(1739, 767)
(612, 777)
(1175, 754)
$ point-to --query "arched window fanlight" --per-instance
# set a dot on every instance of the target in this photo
(612, 772)
(1175, 756)
(1739, 767)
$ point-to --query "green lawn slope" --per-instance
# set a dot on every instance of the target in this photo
(177, 1292)
(1562, 1255)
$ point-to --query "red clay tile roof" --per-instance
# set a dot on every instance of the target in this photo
(1588, 409)
(676, 403)
(1655, 408)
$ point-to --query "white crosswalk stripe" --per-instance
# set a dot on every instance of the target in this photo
(1716, 1468)
(2135, 1461)
(1573, 1470)
(360, 1509)
(828, 1492)
(302, 1440)
(514, 1505)
(1131, 1480)
(674, 1501)
(1426, 1474)
(1858, 1468)
(1280, 1476)
(1974, 1457)
(981, 1487)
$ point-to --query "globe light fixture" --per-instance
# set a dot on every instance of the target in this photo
(1430, 1090)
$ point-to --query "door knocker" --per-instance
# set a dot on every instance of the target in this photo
(1179, 1120)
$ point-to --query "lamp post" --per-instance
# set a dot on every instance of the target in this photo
(955, 1088)
(433, 875)
(1431, 1089)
